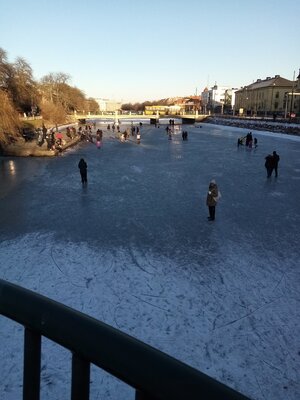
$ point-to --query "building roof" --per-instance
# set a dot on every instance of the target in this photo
(277, 80)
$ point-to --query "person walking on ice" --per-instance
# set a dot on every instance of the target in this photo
(212, 198)
(269, 165)
(82, 165)
(276, 159)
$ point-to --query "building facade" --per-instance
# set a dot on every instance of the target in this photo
(175, 106)
(156, 110)
(106, 105)
(269, 97)
(216, 99)
(295, 96)
(187, 105)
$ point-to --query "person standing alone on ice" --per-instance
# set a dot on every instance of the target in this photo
(276, 159)
(211, 200)
(82, 165)
(269, 164)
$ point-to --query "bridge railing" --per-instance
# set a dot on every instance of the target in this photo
(153, 374)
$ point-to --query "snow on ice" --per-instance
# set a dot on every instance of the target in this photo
(134, 249)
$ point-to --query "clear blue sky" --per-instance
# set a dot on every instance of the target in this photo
(135, 50)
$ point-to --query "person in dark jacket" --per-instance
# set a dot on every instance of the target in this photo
(82, 165)
(269, 164)
(276, 159)
(211, 199)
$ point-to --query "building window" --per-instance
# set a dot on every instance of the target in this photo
(277, 95)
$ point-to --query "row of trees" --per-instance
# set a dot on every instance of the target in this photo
(53, 97)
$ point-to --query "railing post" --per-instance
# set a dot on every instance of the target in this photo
(141, 396)
(32, 365)
(80, 389)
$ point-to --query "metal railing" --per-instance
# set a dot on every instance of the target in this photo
(152, 373)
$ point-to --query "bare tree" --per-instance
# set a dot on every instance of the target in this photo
(51, 85)
(53, 113)
(22, 86)
(90, 105)
(9, 119)
(20, 93)
(6, 70)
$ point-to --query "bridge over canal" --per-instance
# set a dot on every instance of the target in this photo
(118, 116)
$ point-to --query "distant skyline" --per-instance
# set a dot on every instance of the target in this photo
(133, 50)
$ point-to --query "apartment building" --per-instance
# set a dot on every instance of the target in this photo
(275, 96)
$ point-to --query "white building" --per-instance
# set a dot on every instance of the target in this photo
(213, 99)
(106, 105)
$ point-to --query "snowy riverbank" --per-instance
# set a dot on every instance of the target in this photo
(257, 124)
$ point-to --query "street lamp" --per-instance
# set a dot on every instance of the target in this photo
(292, 99)
(272, 97)
(214, 97)
(246, 101)
(286, 97)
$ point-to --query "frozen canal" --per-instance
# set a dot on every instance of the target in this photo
(135, 250)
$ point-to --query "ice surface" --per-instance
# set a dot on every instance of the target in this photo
(135, 250)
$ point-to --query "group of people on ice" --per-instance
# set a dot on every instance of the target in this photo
(248, 140)
(172, 128)
(184, 135)
(271, 164)
(134, 130)
(53, 137)
(114, 126)
(271, 160)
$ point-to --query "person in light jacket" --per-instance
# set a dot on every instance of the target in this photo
(211, 199)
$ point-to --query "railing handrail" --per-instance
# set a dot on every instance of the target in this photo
(139, 365)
